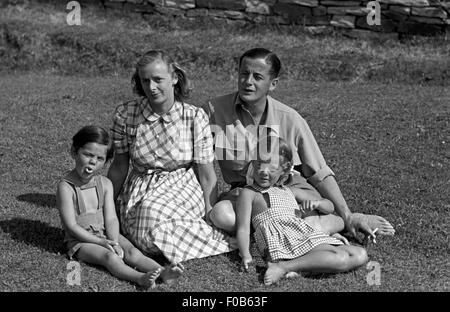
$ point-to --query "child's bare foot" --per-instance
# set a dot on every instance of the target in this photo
(274, 273)
(171, 272)
(148, 280)
(374, 221)
(291, 274)
(341, 238)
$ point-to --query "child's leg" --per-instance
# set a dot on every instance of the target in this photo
(323, 258)
(96, 254)
(357, 256)
(329, 224)
(136, 258)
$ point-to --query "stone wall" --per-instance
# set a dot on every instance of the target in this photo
(421, 17)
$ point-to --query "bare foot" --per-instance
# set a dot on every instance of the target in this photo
(148, 280)
(291, 274)
(171, 272)
(274, 273)
(374, 221)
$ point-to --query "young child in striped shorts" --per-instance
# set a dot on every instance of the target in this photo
(284, 241)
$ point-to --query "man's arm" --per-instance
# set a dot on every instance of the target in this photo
(329, 189)
(317, 172)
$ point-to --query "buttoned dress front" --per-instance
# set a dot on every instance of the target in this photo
(161, 204)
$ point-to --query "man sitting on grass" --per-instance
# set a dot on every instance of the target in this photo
(249, 113)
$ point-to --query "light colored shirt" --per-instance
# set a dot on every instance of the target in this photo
(235, 134)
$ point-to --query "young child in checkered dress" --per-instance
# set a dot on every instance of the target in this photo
(284, 241)
(87, 210)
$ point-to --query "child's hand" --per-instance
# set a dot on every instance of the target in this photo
(308, 205)
(108, 244)
(118, 250)
(246, 261)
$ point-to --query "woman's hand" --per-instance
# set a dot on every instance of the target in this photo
(208, 218)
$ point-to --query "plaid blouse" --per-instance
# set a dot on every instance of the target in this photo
(170, 141)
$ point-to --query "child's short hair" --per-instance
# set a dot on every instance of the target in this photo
(93, 134)
(272, 148)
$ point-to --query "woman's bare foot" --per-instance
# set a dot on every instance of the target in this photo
(374, 221)
(148, 280)
(274, 273)
(171, 272)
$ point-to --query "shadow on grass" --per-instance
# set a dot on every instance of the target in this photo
(261, 271)
(44, 200)
(35, 233)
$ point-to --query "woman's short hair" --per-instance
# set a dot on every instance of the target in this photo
(182, 88)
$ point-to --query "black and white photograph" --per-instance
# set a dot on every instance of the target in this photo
(225, 154)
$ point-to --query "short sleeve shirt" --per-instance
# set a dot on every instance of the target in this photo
(235, 136)
(168, 141)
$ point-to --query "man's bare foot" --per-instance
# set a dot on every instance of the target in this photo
(148, 280)
(374, 221)
(171, 272)
(274, 273)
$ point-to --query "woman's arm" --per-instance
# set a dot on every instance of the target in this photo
(118, 172)
(243, 219)
(208, 182)
(65, 199)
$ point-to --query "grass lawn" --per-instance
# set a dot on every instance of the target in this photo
(387, 143)
(379, 111)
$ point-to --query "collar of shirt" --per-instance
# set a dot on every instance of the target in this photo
(271, 121)
(172, 115)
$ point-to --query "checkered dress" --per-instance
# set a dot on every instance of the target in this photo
(279, 233)
(162, 204)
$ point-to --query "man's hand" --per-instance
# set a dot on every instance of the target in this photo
(357, 223)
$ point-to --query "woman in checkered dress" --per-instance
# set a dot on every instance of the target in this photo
(284, 241)
(162, 203)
